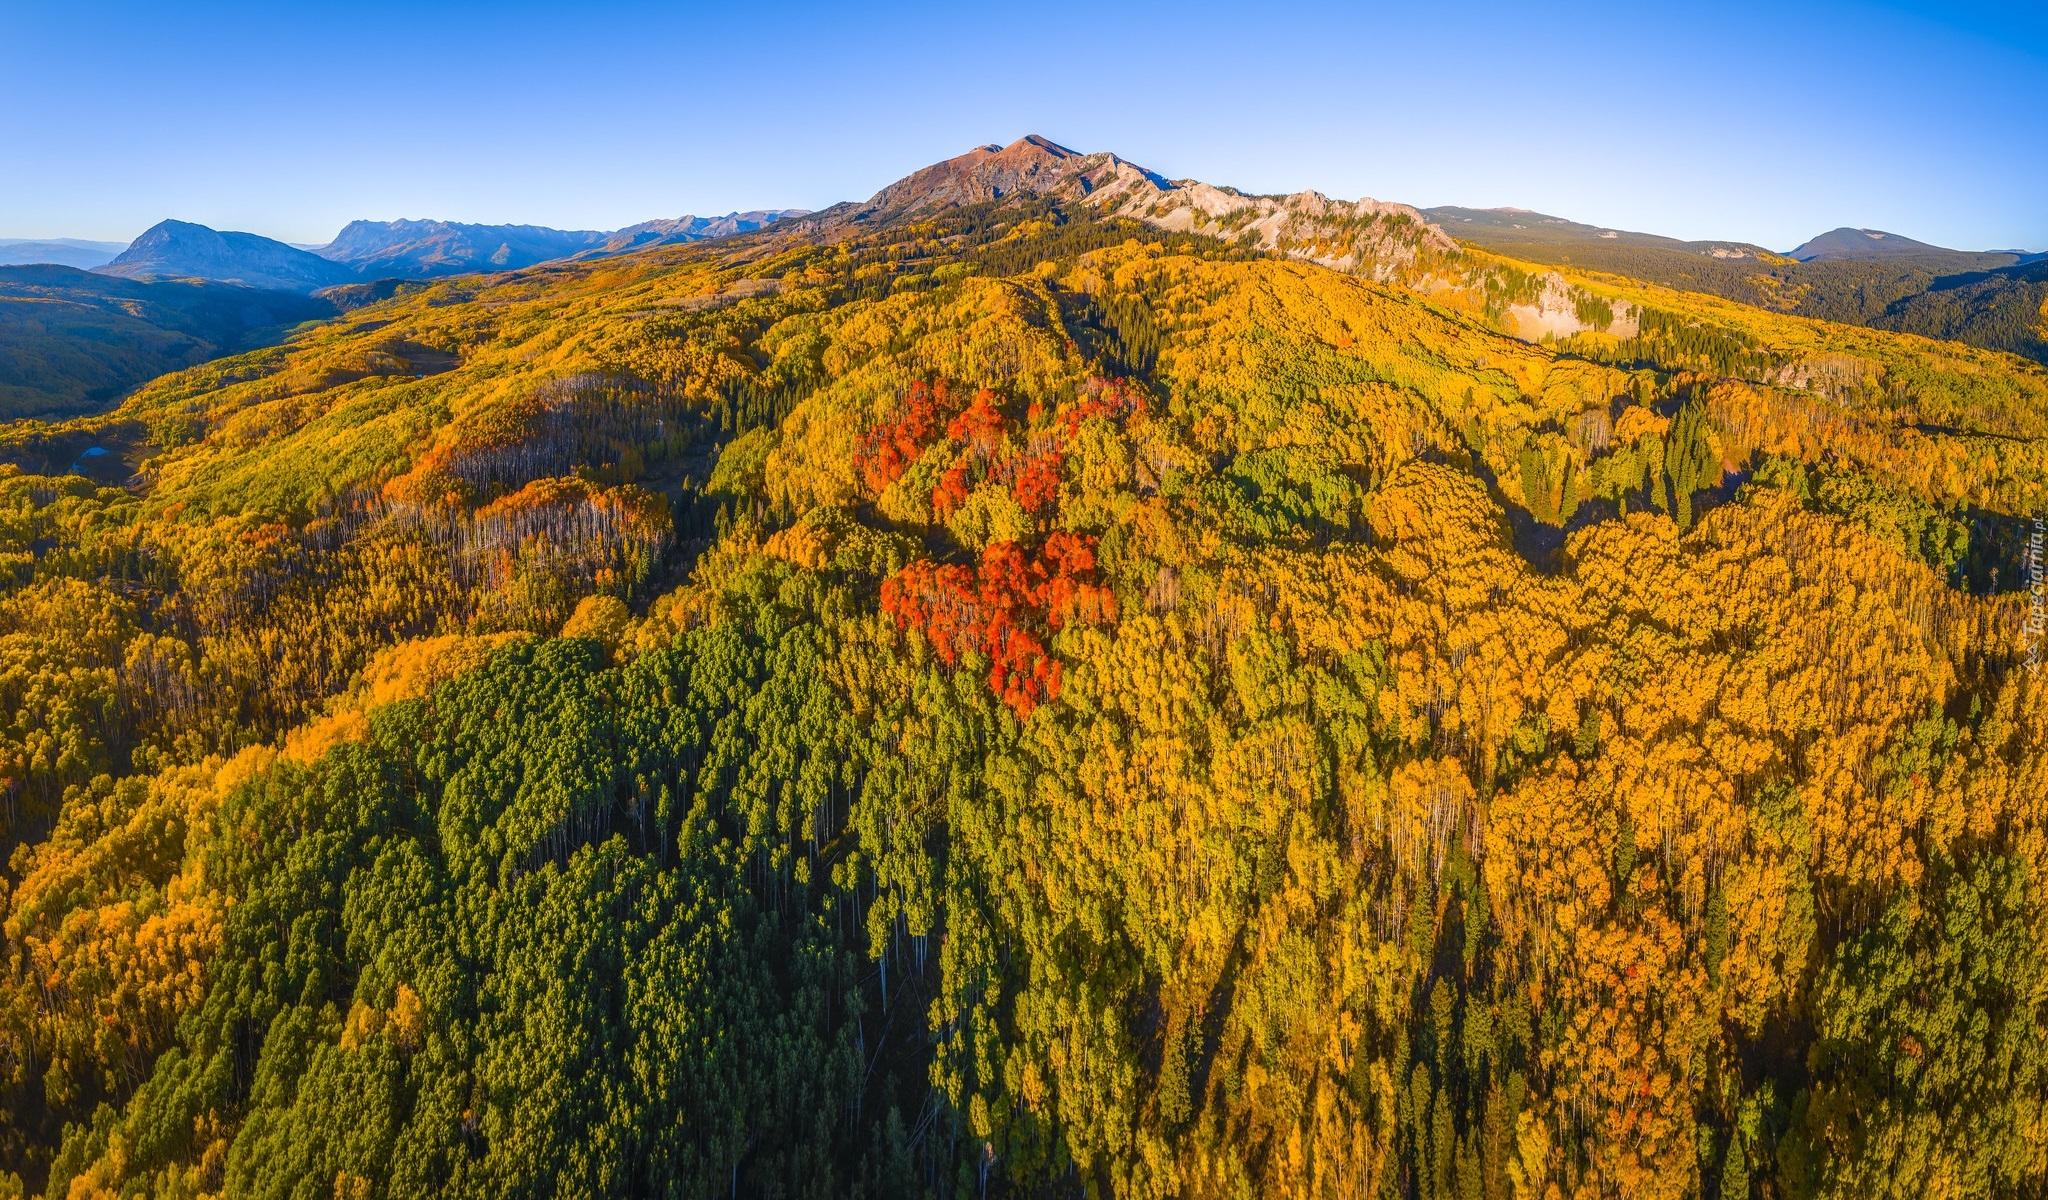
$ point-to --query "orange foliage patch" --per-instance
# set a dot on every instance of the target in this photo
(1065, 595)
(980, 427)
(991, 610)
(887, 449)
(951, 492)
(1037, 480)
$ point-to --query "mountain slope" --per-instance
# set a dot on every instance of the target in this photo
(2004, 309)
(71, 342)
(179, 249)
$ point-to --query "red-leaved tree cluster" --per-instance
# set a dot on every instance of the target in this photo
(1000, 607)
(994, 609)
(888, 448)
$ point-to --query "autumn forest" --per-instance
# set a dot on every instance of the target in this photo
(1032, 692)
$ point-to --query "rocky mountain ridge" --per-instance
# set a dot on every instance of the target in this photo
(424, 249)
(1374, 237)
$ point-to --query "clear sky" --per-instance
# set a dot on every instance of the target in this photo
(1766, 122)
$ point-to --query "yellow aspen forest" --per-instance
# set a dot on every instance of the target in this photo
(1026, 699)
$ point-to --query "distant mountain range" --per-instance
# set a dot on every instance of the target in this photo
(424, 249)
(414, 249)
(62, 252)
(369, 250)
(82, 323)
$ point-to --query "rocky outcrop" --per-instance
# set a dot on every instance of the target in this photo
(1373, 237)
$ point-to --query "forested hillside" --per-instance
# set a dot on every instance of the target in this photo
(73, 343)
(1003, 698)
(1992, 300)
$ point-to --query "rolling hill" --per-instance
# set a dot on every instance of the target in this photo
(1518, 229)
(1521, 231)
(1052, 680)
(2004, 309)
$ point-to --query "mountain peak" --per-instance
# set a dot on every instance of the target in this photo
(1032, 164)
(181, 249)
(1365, 235)
(1033, 146)
(1848, 243)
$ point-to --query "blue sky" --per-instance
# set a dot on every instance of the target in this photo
(1767, 123)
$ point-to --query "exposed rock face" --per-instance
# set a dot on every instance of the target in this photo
(1371, 236)
(181, 250)
(1557, 312)
(1375, 237)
